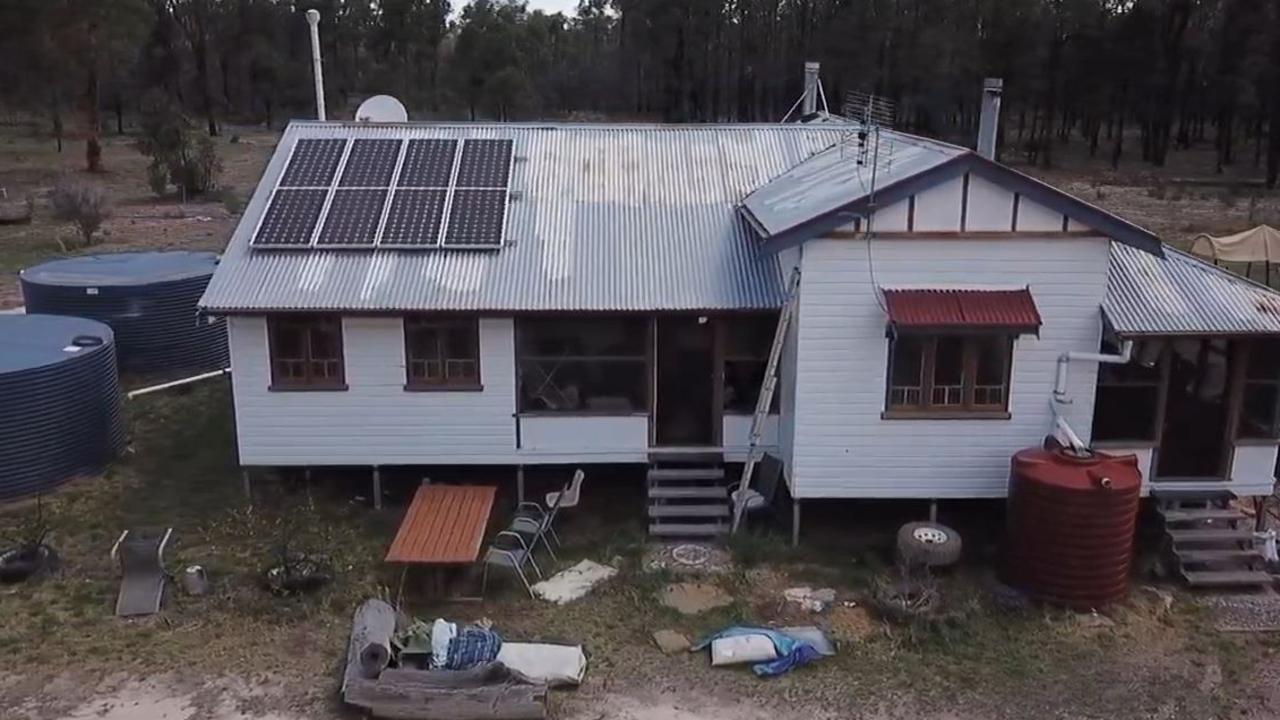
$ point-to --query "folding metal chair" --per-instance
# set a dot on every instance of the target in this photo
(510, 557)
(537, 523)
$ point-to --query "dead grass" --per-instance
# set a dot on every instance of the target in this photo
(180, 472)
(30, 165)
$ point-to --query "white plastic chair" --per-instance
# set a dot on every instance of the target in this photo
(571, 495)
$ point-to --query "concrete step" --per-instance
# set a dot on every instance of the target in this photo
(708, 511)
(1202, 557)
(688, 493)
(688, 529)
(1223, 578)
(1197, 514)
(1197, 536)
(684, 474)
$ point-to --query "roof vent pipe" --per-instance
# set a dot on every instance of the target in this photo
(809, 105)
(989, 121)
(313, 19)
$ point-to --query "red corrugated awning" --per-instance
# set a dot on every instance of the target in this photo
(939, 309)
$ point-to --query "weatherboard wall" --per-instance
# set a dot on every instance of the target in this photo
(375, 421)
(1252, 470)
(842, 446)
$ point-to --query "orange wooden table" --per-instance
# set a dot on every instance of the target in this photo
(444, 525)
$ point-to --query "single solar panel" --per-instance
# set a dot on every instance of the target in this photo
(291, 218)
(313, 163)
(353, 218)
(476, 217)
(428, 163)
(414, 218)
(484, 164)
(371, 163)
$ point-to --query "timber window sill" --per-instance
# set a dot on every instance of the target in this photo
(326, 387)
(945, 415)
(443, 387)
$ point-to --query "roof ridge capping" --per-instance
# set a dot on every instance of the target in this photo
(802, 227)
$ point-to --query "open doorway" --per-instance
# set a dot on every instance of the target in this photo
(686, 413)
(1193, 439)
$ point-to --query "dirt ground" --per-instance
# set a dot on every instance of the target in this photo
(241, 653)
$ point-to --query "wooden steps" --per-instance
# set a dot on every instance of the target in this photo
(687, 496)
(1211, 540)
(1227, 578)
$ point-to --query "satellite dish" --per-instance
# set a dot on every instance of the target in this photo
(381, 109)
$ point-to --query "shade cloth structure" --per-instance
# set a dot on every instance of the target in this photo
(444, 525)
(1261, 244)
(938, 309)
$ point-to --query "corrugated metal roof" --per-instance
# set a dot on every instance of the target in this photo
(934, 308)
(602, 218)
(1180, 294)
(834, 177)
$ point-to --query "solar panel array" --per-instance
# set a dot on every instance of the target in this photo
(390, 193)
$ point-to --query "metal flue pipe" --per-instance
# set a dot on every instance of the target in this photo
(809, 101)
(989, 120)
(313, 19)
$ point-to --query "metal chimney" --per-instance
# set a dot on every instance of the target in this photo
(989, 121)
(809, 105)
(313, 19)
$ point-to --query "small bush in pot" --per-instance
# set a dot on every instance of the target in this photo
(25, 551)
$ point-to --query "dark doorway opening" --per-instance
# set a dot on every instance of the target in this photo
(1194, 439)
(686, 412)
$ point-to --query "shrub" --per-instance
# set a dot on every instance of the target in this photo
(187, 159)
(81, 204)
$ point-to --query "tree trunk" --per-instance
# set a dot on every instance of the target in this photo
(93, 122)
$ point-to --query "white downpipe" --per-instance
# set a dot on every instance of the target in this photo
(175, 383)
(1060, 397)
(313, 19)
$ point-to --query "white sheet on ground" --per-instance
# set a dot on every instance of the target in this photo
(742, 649)
(573, 583)
(442, 633)
(552, 664)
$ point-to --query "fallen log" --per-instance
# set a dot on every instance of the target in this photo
(369, 651)
(489, 692)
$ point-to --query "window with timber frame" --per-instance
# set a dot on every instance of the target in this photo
(747, 342)
(441, 353)
(593, 365)
(306, 352)
(1127, 402)
(945, 376)
(1260, 409)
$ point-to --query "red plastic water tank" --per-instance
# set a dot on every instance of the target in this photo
(1071, 522)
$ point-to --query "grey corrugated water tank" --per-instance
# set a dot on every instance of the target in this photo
(60, 409)
(148, 298)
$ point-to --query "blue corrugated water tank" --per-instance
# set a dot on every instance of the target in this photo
(148, 298)
(60, 408)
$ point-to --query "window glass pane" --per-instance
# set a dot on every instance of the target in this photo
(612, 337)
(991, 358)
(1264, 361)
(749, 337)
(605, 386)
(424, 342)
(324, 342)
(286, 341)
(1125, 412)
(1258, 416)
(948, 371)
(906, 377)
(742, 380)
(461, 342)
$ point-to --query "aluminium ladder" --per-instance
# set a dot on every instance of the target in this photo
(763, 402)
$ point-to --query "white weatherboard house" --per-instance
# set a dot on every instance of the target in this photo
(524, 294)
